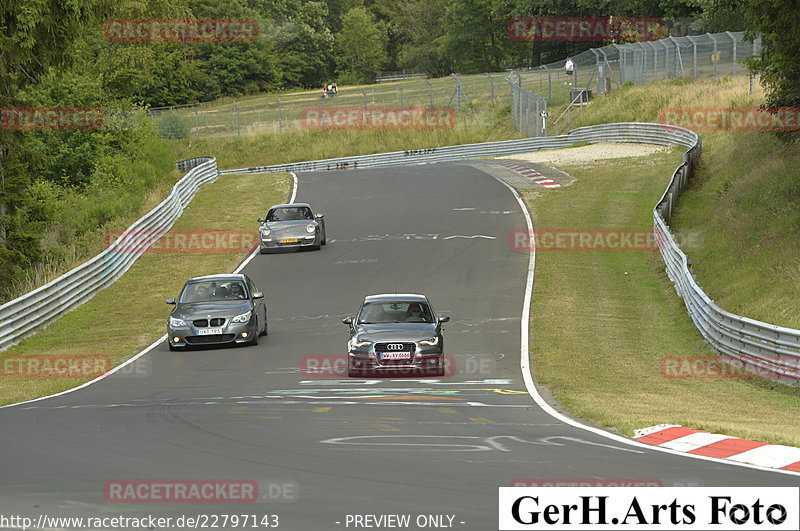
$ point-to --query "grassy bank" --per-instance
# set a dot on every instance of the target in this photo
(742, 207)
(599, 335)
(136, 301)
(603, 322)
(483, 124)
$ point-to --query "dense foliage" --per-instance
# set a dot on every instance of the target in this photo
(58, 185)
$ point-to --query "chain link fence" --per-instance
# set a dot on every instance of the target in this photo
(278, 114)
(598, 71)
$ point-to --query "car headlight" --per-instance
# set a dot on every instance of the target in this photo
(431, 342)
(242, 318)
(310, 228)
(357, 343)
(264, 230)
(176, 323)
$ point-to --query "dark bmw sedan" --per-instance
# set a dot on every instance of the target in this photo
(395, 334)
(216, 310)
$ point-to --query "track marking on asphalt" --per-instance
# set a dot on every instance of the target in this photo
(383, 427)
(405, 381)
(470, 237)
(321, 409)
(482, 444)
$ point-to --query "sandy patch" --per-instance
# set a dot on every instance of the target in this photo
(590, 153)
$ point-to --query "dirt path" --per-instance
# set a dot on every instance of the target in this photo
(588, 154)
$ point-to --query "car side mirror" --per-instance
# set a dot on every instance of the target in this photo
(319, 216)
(348, 321)
(258, 294)
(170, 301)
(444, 319)
(260, 220)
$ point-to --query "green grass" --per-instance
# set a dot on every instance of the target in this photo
(742, 209)
(136, 301)
(479, 124)
(603, 321)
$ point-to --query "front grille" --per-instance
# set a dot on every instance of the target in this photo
(204, 322)
(216, 338)
(384, 347)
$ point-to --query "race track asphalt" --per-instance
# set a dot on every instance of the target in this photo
(324, 446)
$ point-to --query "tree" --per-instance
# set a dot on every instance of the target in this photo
(476, 35)
(360, 48)
(419, 26)
(36, 36)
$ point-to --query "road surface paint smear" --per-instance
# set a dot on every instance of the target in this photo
(721, 446)
(531, 174)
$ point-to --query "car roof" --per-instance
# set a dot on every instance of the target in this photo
(219, 277)
(290, 205)
(396, 297)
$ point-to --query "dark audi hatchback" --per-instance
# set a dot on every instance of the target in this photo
(395, 334)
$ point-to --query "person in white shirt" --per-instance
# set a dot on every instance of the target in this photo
(569, 68)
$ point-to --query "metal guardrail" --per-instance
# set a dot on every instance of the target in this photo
(768, 350)
(40, 307)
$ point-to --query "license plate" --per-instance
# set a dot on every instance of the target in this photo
(209, 331)
(289, 240)
(395, 355)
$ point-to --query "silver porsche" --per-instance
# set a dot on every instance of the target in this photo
(217, 310)
(396, 334)
(291, 226)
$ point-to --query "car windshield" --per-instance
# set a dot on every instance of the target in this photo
(290, 214)
(206, 291)
(395, 312)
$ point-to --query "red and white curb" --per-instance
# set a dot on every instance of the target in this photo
(698, 442)
(531, 174)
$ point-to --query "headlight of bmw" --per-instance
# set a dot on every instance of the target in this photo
(176, 323)
(310, 228)
(242, 318)
(430, 342)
